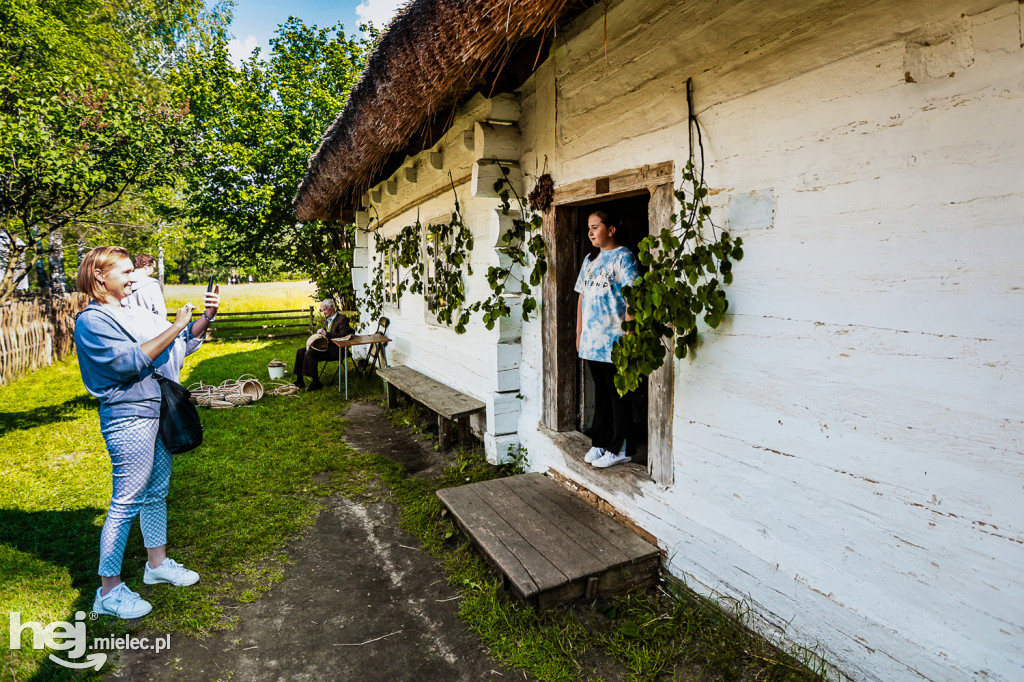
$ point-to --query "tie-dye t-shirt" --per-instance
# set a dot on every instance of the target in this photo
(600, 284)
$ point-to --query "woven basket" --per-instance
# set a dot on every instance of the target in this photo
(250, 386)
(317, 342)
(231, 393)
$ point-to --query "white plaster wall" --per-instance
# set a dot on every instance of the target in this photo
(848, 445)
(473, 363)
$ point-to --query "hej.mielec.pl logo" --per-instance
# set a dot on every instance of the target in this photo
(60, 636)
(70, 637)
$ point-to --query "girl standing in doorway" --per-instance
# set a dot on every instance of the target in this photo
(600, 312)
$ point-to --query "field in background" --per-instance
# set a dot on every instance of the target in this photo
(243, 298)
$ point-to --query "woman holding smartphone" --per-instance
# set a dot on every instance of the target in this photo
(119, 349)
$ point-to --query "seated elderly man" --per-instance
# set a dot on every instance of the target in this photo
(335, 326)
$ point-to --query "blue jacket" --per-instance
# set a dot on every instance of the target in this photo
(114, 368)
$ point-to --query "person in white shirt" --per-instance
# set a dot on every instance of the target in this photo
(146, 291)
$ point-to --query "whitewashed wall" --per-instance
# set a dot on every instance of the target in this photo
(848, 445)
(482, 363)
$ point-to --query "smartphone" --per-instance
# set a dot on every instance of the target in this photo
(209, 286)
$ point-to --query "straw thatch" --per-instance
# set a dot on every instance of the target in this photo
(434, 54)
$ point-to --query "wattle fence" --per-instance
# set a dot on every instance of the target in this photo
(36, 331)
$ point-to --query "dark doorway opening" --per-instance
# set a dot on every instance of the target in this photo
(632, 212)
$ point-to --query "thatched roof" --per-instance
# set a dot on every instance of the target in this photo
(434, 54)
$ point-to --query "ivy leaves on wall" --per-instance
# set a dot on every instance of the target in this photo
(436, 270)
(519, 245)
(680, 286)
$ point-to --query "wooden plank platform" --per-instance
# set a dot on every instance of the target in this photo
(550, 546)
(449, 404)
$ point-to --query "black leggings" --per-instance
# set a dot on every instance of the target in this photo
(613, 414)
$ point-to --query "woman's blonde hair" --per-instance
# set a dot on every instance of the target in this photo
(101, 258)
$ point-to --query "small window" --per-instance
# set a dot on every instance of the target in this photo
(439, 238)
(392, 277)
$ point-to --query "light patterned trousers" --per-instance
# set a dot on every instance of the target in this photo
(141, 476)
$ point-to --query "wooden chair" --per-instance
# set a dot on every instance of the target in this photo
(370, 361)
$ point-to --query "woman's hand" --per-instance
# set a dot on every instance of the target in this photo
(211, 301)
(183, 316)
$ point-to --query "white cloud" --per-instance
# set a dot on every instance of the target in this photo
(378, 11)
(240, 50)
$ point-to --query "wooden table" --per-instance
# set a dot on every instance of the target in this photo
(363, 340)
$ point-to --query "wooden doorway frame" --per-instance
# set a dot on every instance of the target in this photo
(558, 320)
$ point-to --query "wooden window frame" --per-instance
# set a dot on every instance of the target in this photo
(558, 320)
(429, 269)
(391, 278)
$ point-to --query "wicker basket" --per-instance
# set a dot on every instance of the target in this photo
(317, 342)
(231, 393)
(250, 386)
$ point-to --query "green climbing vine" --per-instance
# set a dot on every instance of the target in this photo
(518, 246)
(438, 275)
(436, 271)
(681, 284)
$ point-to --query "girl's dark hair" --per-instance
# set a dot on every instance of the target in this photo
(609, 219)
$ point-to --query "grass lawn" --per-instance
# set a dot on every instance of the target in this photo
(232, 503)
(254, 484)
(244, 298)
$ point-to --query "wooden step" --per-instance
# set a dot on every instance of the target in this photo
(550, 546)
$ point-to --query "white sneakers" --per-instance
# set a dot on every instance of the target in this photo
(121, 602)
(124, 603)
(601, 458)
(610, 459)
(170, 571)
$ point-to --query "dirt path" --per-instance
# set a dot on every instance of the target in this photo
(360, 601)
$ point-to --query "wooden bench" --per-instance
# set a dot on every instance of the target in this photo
(449, 404)
(549, 546)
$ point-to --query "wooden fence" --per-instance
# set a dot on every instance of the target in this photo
(36, 331)
(263, 324)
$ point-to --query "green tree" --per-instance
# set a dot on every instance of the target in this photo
(258, 125)
(86, 142)
(70, 154)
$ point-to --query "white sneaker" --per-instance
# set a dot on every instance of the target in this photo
(610, 459)
(121, 602)
(170, 571)
(593, 454)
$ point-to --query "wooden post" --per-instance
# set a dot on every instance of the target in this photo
(464, 432)
(558, 320)
(392, 396)
(444, 433)
(660, 383)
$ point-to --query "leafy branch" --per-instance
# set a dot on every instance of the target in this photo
(518, 246)
(447, 249)
(681, 284)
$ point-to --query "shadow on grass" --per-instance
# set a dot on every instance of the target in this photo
(52, 540)
(44, 415)
(69, 538)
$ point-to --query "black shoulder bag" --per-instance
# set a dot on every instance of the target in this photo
(180, 427)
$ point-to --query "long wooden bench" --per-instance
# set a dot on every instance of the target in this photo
(449, 404)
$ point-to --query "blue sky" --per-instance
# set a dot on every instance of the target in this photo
(255, 20)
